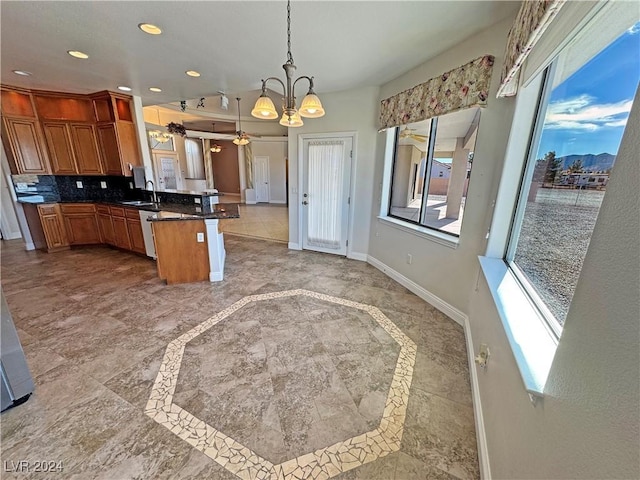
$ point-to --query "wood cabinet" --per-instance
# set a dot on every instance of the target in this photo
(73, 148)
(120, 229)
(63, 106)
(53, 227)
(85, 145)
(81, 223)
(22, 139)
(181, 236)
(105, 225)
(117, 134)
(134, 225)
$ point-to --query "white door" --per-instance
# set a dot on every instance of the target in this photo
(261, 178)
(325, 194)
(166, 167)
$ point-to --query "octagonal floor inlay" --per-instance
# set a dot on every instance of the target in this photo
(303, 399)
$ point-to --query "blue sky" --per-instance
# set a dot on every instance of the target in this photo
(588, 111)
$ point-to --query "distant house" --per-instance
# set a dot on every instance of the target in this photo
(584, 180)
(440, 169)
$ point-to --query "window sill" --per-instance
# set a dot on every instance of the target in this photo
(433, 235)
(532, 344)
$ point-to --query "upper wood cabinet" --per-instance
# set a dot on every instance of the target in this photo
(58, 106)
(117, 133)
(17, 103)
(24, 145)
(85, 145)
(61, 155)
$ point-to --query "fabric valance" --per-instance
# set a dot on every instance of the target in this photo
(532, 20)
(463, 87)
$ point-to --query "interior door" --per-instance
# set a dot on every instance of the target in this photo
(261, 165)
(166, 170)
(325, 195)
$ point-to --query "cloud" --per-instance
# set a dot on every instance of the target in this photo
(633, 29)
(582, 113)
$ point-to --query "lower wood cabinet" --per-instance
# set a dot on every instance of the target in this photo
(105, 225)
(134, 226)
(81, 222)
(46, 226)
(121, 232)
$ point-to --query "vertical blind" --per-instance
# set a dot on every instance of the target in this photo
(325, 180)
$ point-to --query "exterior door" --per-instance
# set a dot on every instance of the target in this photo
(261, 165)
(166, 170)
(325, 194)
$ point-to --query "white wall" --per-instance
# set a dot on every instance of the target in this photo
(277, 153)
(449, 273)
(588, 424)
(348, 111)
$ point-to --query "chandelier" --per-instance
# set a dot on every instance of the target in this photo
(241, 137)
(215, 148)
(291, 116)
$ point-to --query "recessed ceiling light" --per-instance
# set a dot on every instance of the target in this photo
(155, 89)
(150, 28)
(124, 88)
(192, 73)
(77, 54)
(22, 72)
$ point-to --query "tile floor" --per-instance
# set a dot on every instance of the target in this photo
(297, 365)
(265, 221)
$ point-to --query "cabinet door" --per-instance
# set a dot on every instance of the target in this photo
(121, 232)
(82, 229)
(109, 150)
(85, 146)
(106, 229)
(53, 227)
(129, 150)
(25, 146)
(60, 150)
(135, 235)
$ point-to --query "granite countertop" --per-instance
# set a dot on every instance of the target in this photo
(165, 211)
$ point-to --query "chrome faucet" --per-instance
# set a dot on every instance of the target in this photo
(153, 189)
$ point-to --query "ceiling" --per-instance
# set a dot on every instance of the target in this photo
(233, 44)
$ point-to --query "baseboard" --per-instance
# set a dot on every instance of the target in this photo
(294, 246)
(12, 235)
(481, 436)
(424, 294)
(29, 246)
(358, 256)
(279, 202)
(250, 202)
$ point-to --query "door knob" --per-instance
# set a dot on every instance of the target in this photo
(305, 202)
(305, 195)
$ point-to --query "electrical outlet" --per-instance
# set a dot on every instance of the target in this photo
(197, 200)
(79, 184)
(409, 258)
(103, 184)
(200, 237)
(130, 185)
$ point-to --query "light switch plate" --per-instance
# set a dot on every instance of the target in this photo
(103, 184)
(79, 184)
(130, 185)
(200, 237)
(197, 200)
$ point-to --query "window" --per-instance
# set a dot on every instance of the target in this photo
(582, 114)
(431, 171)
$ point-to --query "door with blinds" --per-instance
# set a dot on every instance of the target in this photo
(325, 194)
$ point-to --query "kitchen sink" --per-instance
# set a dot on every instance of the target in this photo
(138, 203)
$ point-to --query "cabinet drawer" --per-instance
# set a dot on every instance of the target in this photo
(117, 211)
(47, 209)
(71, 208)
(132, 213)
(103, 209)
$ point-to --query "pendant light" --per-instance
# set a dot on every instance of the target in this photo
(311, 106)
(158, 135)
(241, 138)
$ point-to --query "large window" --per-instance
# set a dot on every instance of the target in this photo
(431, 170)
(582, 115)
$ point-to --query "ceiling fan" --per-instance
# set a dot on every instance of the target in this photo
(407, 132)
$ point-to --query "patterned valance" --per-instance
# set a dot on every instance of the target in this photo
(533, 19)
(463, 87)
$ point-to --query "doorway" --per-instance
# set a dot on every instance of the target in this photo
(325, 188)
(166, 169)
(261, 178)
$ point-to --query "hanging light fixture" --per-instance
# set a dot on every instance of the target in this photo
(311, 106)
(215, 148)
(241, 138)
(158, 135)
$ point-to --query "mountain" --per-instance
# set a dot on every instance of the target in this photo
(590, 162)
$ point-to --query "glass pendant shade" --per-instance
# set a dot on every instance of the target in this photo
(291, 121)
(242, 140)
(311, 106)
(264, 108)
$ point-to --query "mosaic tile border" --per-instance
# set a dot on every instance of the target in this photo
(318, 465)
